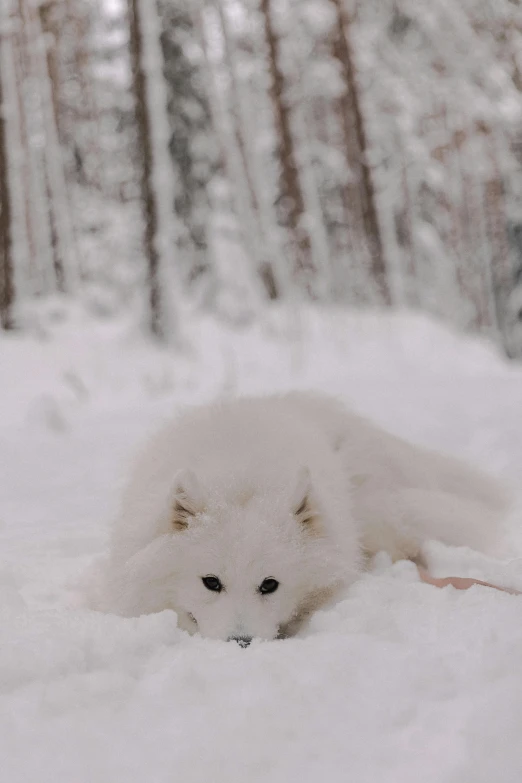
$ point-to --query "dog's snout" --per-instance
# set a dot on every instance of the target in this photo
(243, 641)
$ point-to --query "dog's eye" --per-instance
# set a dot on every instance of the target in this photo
(212, 583)
(268, 586)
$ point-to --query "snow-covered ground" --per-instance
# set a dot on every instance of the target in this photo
(400, 682)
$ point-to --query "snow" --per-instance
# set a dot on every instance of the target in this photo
(399, 682)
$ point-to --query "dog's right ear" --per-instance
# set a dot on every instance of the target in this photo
(187, 500)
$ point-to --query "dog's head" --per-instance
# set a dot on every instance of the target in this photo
(249, 563)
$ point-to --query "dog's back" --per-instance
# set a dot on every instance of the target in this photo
(403, 494)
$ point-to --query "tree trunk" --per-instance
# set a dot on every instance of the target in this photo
(41, 268)
(6, 257)
(247, 180)
(357, 148)
(62, 231)
(501, 266)
(148, 196)
(49, 188)
(291, 200)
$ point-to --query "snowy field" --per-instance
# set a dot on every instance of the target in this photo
(399, 683)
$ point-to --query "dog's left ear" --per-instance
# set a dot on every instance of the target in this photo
(302, 504)
(187, 501)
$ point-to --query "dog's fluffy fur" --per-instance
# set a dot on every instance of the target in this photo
(293, 488)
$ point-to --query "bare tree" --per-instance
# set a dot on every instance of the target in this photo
(354, 127)
(6, 258)
(141, 68)
(500, 268)
(57, 243)
(250, 187)
(291, 199)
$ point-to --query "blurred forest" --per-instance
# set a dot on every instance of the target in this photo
(229, 153)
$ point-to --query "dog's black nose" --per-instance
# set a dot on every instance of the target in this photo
(243, 641)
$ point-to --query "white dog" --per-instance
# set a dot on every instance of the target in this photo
(246, 516)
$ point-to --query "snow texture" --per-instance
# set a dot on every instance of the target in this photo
(400, 682)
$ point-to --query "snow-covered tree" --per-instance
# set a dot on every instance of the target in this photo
(157, 176)
(6, 255)
(192, 143)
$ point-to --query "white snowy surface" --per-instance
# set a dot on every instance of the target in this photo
(400, 682)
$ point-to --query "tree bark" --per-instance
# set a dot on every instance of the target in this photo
(6, 244)
(148, 198)
(354, 127)
(53, 187)
(291, 200)
(501, 266)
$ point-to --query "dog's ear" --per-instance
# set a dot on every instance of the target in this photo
(302, 505)
(186, 502)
